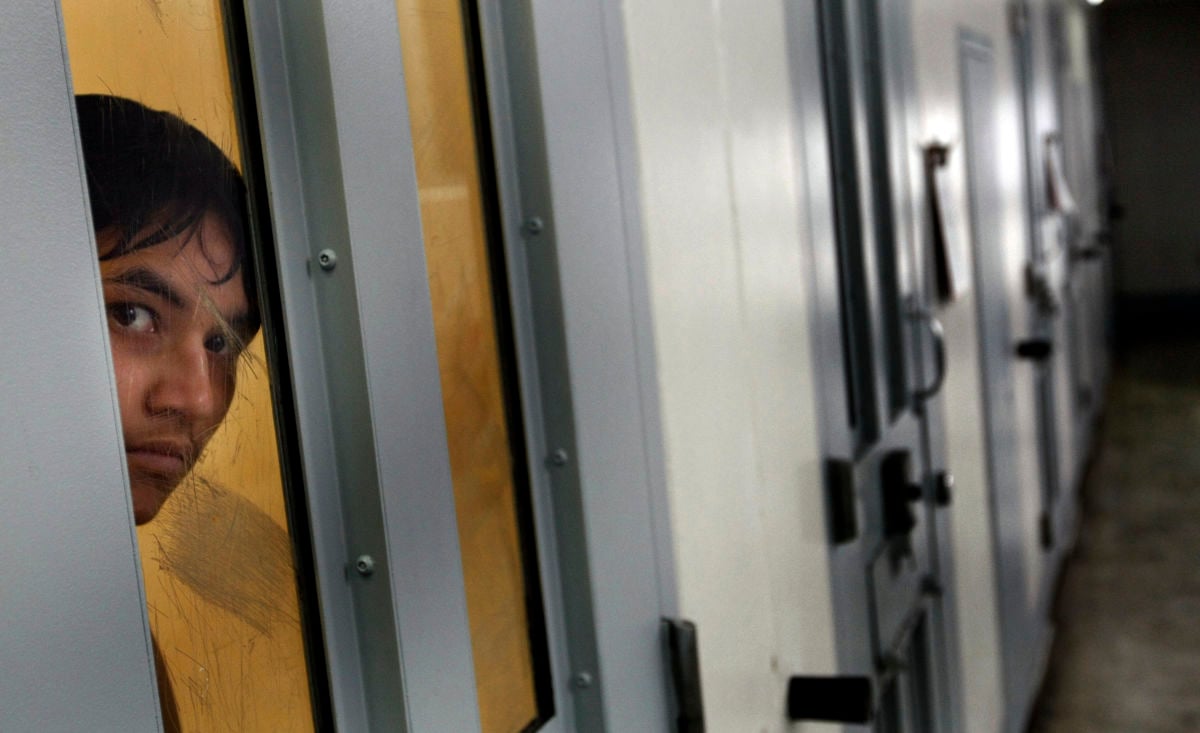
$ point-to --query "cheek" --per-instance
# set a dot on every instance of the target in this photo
(132, 377)
(224, 386)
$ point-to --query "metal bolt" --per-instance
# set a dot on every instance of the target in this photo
(365, 565)
(581, 680)
(327, 259)
(558, 458)
(534, 226)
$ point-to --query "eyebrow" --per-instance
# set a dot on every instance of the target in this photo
(150, 281)
(241, 326)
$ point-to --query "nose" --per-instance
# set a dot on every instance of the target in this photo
(185, 385)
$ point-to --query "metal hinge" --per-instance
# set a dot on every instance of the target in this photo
(840, 500)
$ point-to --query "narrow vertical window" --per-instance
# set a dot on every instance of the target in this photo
(476, 357)
(886, 219)
(181, 258)
(853, 283)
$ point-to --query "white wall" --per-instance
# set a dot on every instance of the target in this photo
(721, 204)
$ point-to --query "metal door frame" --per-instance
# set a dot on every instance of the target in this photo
(568, 189)
(75, 637)
(607, 570)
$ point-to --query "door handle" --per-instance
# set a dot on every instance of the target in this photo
(943, 488)
(938, 333)
(1091, 251)
(1037, 349)
(840, 493)
(851, 698)
(845, 699)
(900, 492)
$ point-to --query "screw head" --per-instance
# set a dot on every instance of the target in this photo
(534, 225)
(364, 565)
(581, 680)
(327, 259)
(558, 458)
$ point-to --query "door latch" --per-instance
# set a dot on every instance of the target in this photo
(899, 494)
(1037, 349)
(683, 659)
(840, 495)
(845, 699)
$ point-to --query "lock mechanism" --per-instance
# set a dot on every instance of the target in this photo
(899, 494)
(845, 699)
(1035, 349)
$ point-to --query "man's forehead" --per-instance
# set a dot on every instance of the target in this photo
(186, 268)
(202, 246)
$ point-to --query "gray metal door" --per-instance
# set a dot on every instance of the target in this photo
(1059, 333)
(882, 362)
(1023, 633)
(1039, 342)
(1086, 252)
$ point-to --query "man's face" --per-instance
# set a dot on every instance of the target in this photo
(176, 338)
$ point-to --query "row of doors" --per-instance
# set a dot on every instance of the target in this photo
(884, 361)
(1063, 342)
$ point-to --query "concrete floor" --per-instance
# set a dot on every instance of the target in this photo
(1127, 654)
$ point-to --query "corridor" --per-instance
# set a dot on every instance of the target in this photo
(1127, 654)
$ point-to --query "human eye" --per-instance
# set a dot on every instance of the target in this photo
(133, 317)
(223, 344)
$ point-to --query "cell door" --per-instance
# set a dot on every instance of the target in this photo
(1024, 630)
(1087, 254)
(513, 397)
(464, 193)
(371, 541)
(1039, 346)
(885, 479)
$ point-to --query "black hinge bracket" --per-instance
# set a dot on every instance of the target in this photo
(841, 501)
(683, 662)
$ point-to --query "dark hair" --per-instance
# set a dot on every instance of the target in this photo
(150, 171)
